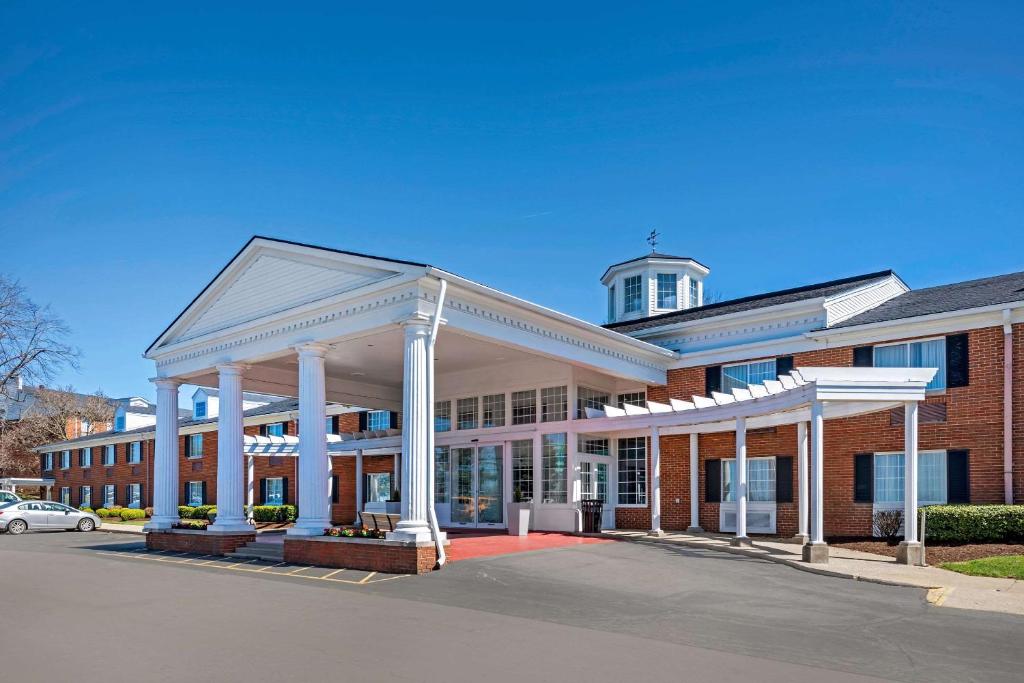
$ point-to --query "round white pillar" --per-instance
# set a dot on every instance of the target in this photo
(314, 503)
(230, 448)
(803, 535)
(741, 482)
(655, 482)
(165, 459)
(695, 484)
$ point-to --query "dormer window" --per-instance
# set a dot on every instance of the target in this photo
(119, 423)
(632, 290)
(694, 293)
(667, 295)
(199, 410)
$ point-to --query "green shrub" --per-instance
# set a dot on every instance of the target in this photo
(130, 513)
(103, 513)
(203, 511)
(191, 524)
(275, 513)
(975, 523)
(86, 508)
(185, 511)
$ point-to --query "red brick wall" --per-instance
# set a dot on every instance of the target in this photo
(1018, 413)
(200, 542)
(364, 554)
(96, 476)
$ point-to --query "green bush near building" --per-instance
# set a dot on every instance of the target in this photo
(275, 513)
(974, 523)
(128, 514)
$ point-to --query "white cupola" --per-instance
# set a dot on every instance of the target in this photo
(653, 284)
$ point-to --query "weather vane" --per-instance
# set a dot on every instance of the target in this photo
(652, 240)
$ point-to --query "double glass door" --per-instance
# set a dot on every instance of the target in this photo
(477, 498)
(594, 485)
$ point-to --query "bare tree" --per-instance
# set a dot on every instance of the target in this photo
(713, 296)
(33, 341)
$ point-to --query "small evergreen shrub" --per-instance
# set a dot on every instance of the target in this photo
(185, 511)
(275, 513)
(131, 513)
(86, 508)
(975, 523)
(103, 513)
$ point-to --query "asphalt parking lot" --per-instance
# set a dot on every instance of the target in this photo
(79, 603)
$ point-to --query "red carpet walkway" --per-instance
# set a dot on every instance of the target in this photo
(467, 545)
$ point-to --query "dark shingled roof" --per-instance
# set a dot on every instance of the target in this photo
(748, 303)
(959, 296)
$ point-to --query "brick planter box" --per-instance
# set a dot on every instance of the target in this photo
(195, 541)
(367, 554)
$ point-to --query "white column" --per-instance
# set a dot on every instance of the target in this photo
(910, 473)
(741, 482)
(359, 487)
(165, 459)
(817, 497)
(230, 446)
(416, 399)
(655, 482)
(314, 508)
(802, 484)
(250, 480)
(695, 484)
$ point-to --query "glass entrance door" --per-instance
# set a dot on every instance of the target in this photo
(477, 487)
(594, 486)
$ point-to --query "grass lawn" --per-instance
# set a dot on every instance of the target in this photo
(1007, 566)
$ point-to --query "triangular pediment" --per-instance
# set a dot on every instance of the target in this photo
(269, 277)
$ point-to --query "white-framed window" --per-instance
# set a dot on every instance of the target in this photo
(760, 480)
(633, 398)
(275, 429)
(275, 491)
(135, 452)
(524, 407)
(199, 410)
(109, 496)
(555, 464)
(87, 456)
(924, 353)
(65, 460)
(195, 446)
(119, 423)
(632, 462)
(592, 445)
(667, 290)
(195, 493)
(466, 413)
(65, 495)
(932, 485)
(85, 427)
(522, 469)
(47, 462)
(134, 495)
(378, 419)
(554, 404)
(694, 293)
(109, 454)
(739, 375)
(442, 416)
(442, 482)
(633, 294)
(86, 497)
(590, 398)
(378, 487)
(611, 303)
(493, 410)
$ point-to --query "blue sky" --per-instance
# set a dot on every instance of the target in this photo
(526, 147)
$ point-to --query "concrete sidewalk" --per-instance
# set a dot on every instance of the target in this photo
(121, 528)
(944, 588)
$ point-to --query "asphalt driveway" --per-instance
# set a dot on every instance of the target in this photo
(95, 604)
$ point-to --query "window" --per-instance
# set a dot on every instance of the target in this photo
(442, 457)
(195, 493)
(760, 480)
(194, 446)
(590, 398)
(694, 293)
(109, 454)
(135, 452)
(378, 420)
(65, 460)
(47, 461)
(740, 375)
(328, 425)
(86, 457)
(524, 407)
(522, 470)
(275, 491)
(199, 410)
(65, 495)
(494, 410)
(633, 398)
(378, 487)
(632, 456)
(632, 290)
(119, 423)
(275, 429)
(109, 496)
(554, 404)
(466, 413)
(666, 290)
(134, 495)
(555, 468)
(443, 416)
(85, 427)
(930, 353)
(85, 497)
(592, 445)
(611, 304)
(931, 478)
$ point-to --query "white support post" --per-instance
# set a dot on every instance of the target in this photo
(416, 399)
(359, 487)
(250, 493)
(396, 472)
(314, 505)
(909, 551)
(741, 483)
(817, 550)
(694, 527)
(230, 447)
(655, 482)
(802, 535)
(165, 459)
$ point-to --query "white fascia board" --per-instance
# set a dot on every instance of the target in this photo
(769, 348)
(733, 320)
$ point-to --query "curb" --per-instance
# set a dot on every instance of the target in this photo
(121, 530)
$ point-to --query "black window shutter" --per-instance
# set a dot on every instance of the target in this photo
(362, 420)
(393, 420)
(81, 497)
(864, 478)
(284, 490)
(712, 481)
(263, 430)
(712, 379)
(188, 446)
(784, 479)
(957, 361)
(142, 495)
(783, 365)
(335, 424)
(334, 489)
(127, 494)
(263, 491)
(284, 427)
(863, 356)
(202, 493)
(184, 495)
(958, 476)
(114, 501)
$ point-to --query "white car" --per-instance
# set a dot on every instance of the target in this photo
(8, 497)
(17, 518)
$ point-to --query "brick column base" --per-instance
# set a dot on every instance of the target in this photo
(367, 554)
(194, 541)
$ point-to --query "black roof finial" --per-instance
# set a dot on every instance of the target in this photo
(652, 240)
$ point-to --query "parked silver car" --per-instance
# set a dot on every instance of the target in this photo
(17, 518)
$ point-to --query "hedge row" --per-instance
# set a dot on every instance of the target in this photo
(974, 523)
(124, 514)
(197, 512)
(275, 513)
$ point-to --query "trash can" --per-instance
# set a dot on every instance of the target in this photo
(591, 512)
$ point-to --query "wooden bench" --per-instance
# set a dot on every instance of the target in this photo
(379, 521)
